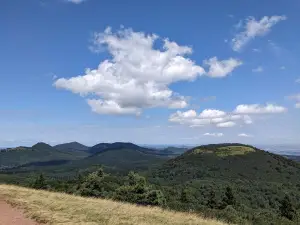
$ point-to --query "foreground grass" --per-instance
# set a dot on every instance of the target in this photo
(57, 208)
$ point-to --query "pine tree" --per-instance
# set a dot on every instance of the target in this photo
(286, 208)
(229, 198)
(184, 196)
(40, 182)
(212, 202)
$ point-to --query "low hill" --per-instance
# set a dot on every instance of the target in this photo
(114, 157)
(102, 147)
(39, 152)
(231, 162)
(56, 208)
(71, 146)
(116, 160)
(258, 179)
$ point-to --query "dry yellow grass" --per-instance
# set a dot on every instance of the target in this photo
(58, 208)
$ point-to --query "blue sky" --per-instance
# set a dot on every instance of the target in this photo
(149, 72)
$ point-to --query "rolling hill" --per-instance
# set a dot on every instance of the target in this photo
(231, 162)
(102, 147)
(64, 161)
(38, 153)
(258, 179)
(71, 146)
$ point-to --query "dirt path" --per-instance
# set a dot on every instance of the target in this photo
(13, 216)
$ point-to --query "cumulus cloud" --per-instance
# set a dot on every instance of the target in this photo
(259, 69)
(138, 75)
(212, 113)
(245, 135)
(76, 1)
(297, 105)
(207, 117)
(254, 28)
(214, 134)
(214, 117)
(259, 109)
(221, 68)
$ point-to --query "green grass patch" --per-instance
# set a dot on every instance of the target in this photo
(233, 150)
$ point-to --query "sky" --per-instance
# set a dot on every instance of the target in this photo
(149, 72)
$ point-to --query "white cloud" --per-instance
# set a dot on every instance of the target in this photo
(297, 105)
(259, 109)
(245, 135)
(282, 68)
(226, 124)
(213, 117)
(137, 76)
(208, 117)
(254, 28)
(221, 68)
(298, 81)
(214, 134)
(211, 113)
(259, 69)
(76, 1)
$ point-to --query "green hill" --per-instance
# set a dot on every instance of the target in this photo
(71, 146)
(120, 160)
(115, 157)
(38, 153)
(258, 179)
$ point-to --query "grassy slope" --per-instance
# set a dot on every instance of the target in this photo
(57, 208)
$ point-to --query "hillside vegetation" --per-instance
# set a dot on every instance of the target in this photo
(39, 152)
(57, 208)
(71, 146)
(257, 181)
(235, 183)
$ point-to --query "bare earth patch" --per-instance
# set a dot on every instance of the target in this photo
(13, 216)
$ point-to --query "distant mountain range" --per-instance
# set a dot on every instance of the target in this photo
(73, 156)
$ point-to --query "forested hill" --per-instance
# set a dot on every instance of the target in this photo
(259, 180)
(40, 152)
(71, 146)
(230, 162)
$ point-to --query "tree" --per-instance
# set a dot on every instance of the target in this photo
(156, 197)
(138, 191)
(40, 182)
(229, 198)
(286, 208)
(184, 196)
(212, 202)
(93, 185)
